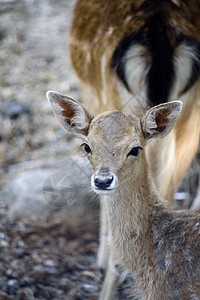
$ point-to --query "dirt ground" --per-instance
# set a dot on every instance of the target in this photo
(51, 256)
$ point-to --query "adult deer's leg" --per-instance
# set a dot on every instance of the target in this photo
(105, 260)
(103, 250)
(109, 289)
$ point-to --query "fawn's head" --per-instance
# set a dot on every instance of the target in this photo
(114, 141)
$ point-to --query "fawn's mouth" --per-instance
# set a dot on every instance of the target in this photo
(103, 191)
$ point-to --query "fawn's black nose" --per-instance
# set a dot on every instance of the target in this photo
(103, 183)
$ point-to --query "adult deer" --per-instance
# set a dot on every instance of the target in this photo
(146, 50)
(160, 246)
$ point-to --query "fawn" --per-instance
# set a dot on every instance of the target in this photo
(160, 246)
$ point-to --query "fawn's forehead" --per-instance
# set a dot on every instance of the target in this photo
(115, 125)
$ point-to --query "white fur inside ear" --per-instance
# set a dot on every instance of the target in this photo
(70, 113)
(150, 120)
(79, 117)
(160, 120)
(77, 114)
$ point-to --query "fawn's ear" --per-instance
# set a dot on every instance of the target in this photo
(70, 113)
(160, 120)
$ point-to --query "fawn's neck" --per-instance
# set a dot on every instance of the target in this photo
(129, 212)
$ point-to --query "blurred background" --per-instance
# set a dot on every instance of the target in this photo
(48, 228)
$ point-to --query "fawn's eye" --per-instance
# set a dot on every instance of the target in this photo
(86, 148)
(135, 151)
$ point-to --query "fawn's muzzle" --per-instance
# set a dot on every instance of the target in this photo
(103, 183)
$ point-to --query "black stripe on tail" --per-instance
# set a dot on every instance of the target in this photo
(161, 75)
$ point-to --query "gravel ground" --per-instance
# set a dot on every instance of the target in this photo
(48, 258)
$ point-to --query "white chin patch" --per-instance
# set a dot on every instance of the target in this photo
(103, 192)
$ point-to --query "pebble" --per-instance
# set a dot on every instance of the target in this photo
(14, 109)
(89, 288)
(4, 240)
(4, 296)
(4, 237)
(19, 244)
(12, 282)
(25, 294)
(3, 244)
(49, 263)
(20, 254)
